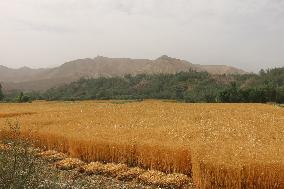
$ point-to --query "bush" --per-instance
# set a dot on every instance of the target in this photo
(23, 98)
(19, 167)
(17, 164)
(1, 93)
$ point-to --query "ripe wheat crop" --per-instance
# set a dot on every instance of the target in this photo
(218, 145)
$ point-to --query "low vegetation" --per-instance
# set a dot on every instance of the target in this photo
(1, 93)
(17, 164)
(19, 168)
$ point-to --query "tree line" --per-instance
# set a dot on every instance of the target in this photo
(15, 96)
(190, 86)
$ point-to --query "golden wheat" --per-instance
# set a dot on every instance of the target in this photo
(219, 145)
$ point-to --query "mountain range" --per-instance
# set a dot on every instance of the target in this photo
(28, 79)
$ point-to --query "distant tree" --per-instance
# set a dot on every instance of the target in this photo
(261, 72)
(23, 98)
(20, 97)
(280, 95)
(1, 93)
(179, 90)
(231, 95)
(188, 86)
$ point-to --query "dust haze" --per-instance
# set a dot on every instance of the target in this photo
(245, 34)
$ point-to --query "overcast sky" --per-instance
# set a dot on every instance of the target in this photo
(248, 34)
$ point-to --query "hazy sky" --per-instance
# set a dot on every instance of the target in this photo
(248, 34)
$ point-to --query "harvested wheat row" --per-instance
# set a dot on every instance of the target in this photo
(69, 163)
(4, 147)
(52, 155)
(34, 151)
(93, 168)
(47, 153)
(120, 171)
(175, 180)
(112, 169)
(131, 174)
(152, 177)
(158, 178)
(109, 169)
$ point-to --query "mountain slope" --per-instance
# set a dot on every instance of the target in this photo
(41, 79)
(19, 75)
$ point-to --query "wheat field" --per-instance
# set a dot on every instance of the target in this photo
(218, 145)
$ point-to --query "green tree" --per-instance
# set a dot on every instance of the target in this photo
(188, 86)
(23, 98)
(1, 93)
(231, 95)
(20, 97)
(261, 72)
(280, 95)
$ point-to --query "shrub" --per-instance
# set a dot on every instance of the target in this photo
(23, 98)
